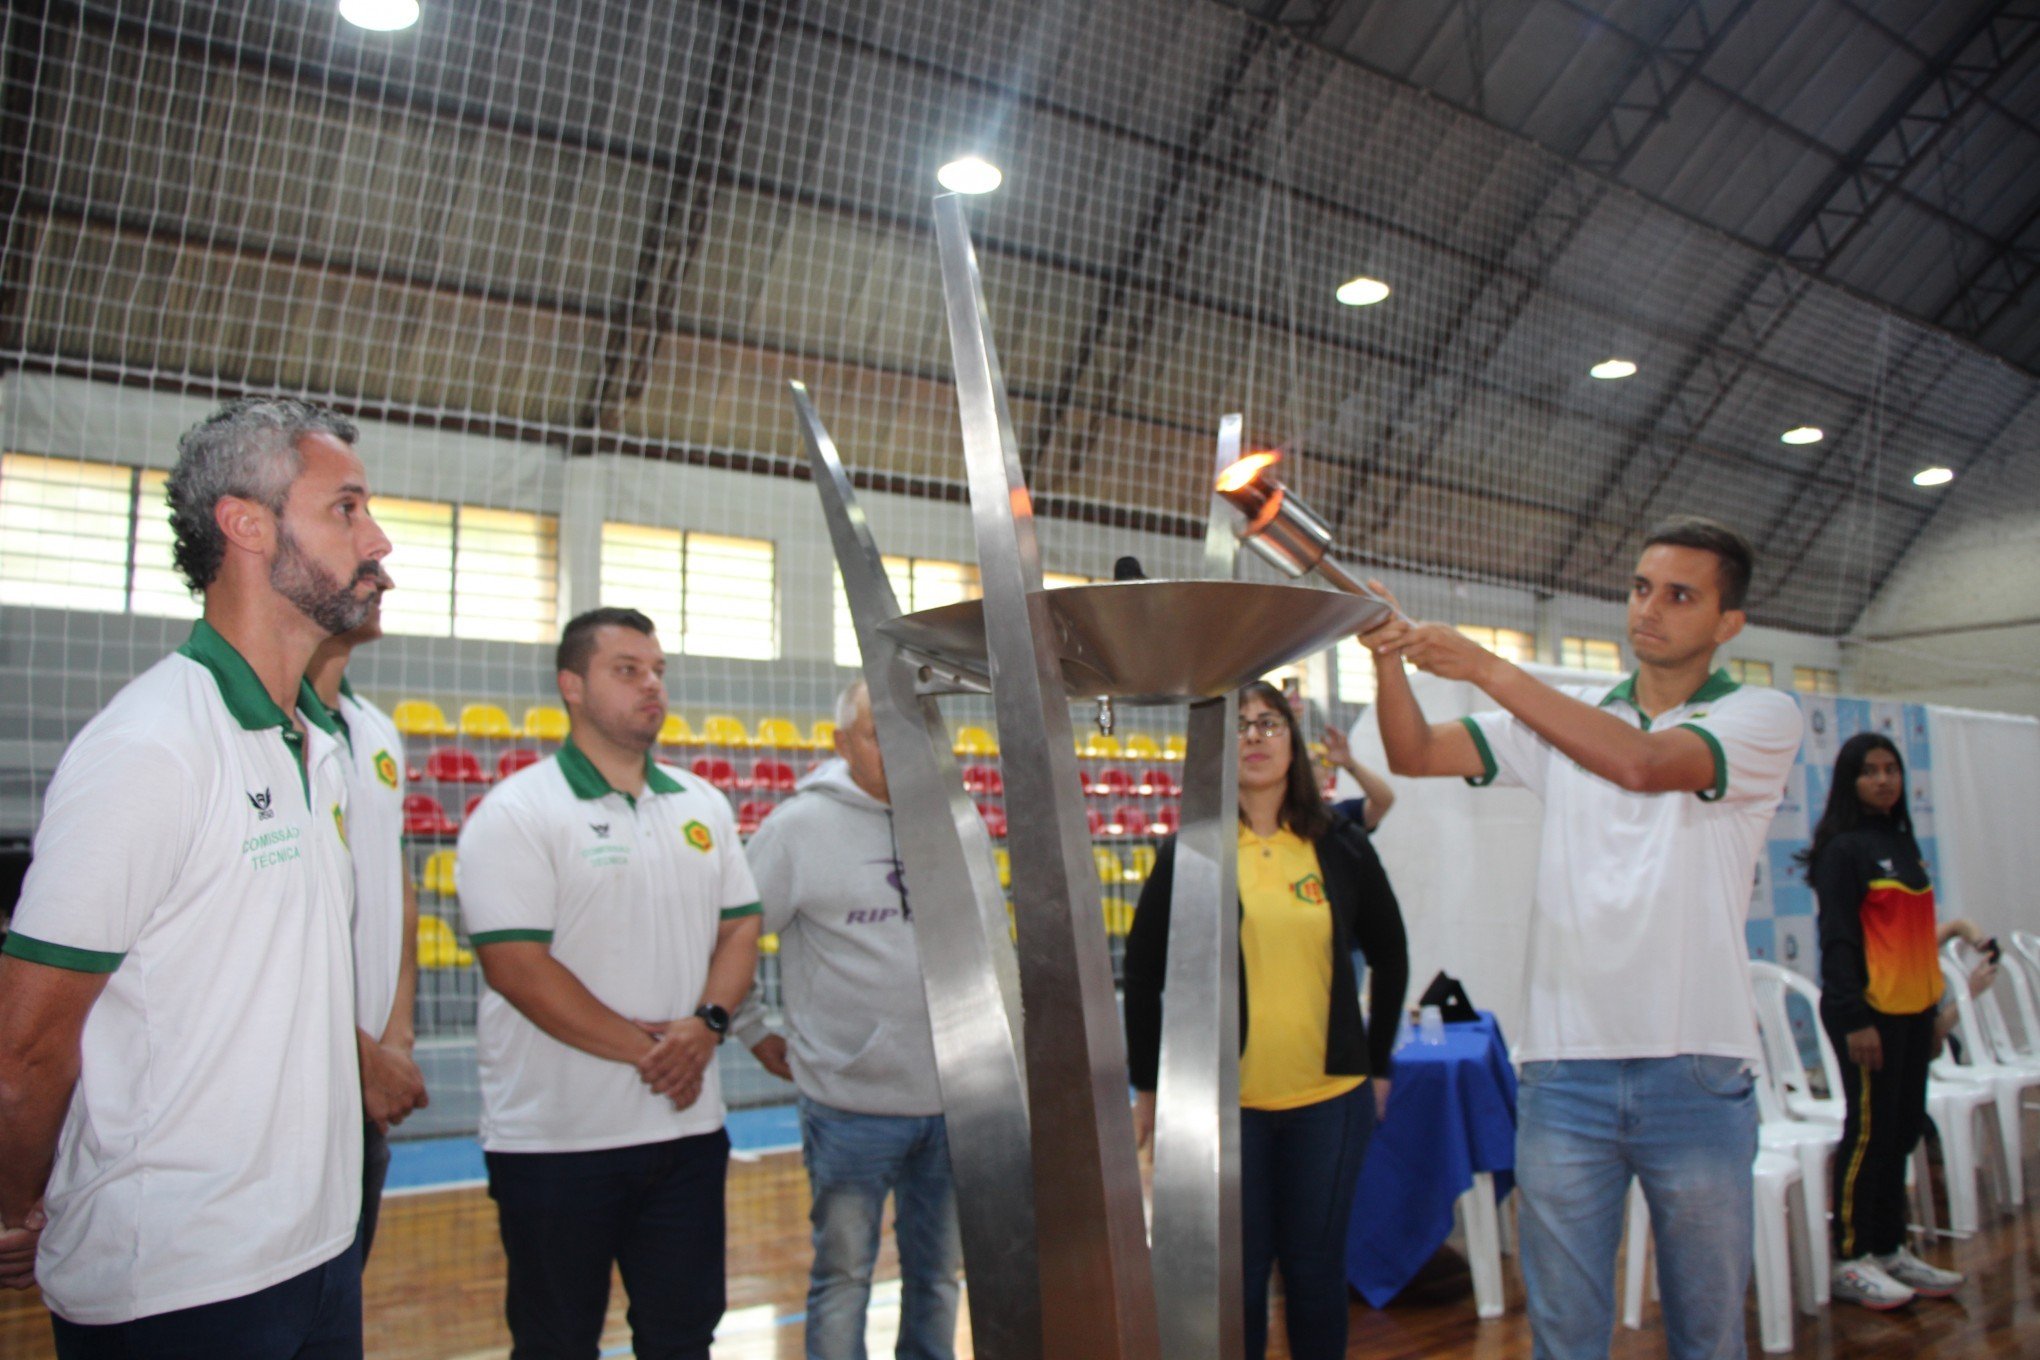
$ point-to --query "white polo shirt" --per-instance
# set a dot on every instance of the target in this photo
(1637, 945)
(374, 766)
(628, 893)
(213, 1145)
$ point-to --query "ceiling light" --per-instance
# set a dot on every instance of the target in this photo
(1361, 292)
(969, 175)
(1613, 368)
(380, 16)
(1802, 434)
(1933, 476)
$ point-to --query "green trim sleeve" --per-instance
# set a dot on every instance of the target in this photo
(60, 955)
(1487, 756)
(739, 913)
(1720, 789)
(512, 937)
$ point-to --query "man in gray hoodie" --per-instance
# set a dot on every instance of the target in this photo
(858, 1046)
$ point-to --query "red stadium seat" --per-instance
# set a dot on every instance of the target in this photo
(455, 765)
(1097, 820)
(1165, 823)
(716, 771)
(1112, 782)
(472, 804)
(510, 762)
(977, 778)
(769, 776)
(782, 776)
(995, 819)
(1160, 784)
(423, 816)
(751, 814)
(1130, 821)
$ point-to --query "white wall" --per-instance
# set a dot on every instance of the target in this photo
(1959, 621)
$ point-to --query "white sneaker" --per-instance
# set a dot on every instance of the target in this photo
(1927, 1281)
(1864, 1281)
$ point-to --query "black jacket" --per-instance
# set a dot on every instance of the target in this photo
(1364, 916)
(1874, 871)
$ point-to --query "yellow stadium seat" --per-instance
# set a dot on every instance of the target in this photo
(1140, 863)
(1005, 863)
(822, 737)
(1175, 746)
(420, 718)
(720, 729)
(438, 946)
(675, 732)
(1118, 917)
(1110, 868)
(485, 720)
(781, 734)
(543, 722)
(768, 944)
(1098, 746)
(1141, 746)
(438, 874)
(975, 741)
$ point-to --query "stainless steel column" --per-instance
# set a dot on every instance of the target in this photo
(1197, 1095)
(967, 964)
(1097, 1290)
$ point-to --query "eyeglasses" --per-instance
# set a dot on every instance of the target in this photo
(1267, 726)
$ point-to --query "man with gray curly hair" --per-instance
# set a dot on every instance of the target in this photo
(180, 1102)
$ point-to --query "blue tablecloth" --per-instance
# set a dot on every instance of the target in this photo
(1451, 1113)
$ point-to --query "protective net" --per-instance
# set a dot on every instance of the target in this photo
(561, 259)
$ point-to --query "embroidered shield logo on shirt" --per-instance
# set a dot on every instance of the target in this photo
(264, 809)
(340, 823)
(1310, 888)
(386, 769)
(698, 836)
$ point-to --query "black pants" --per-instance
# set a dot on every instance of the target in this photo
(375, 1169)
(1887, 1109)
(655, 1211)
(313, 1316)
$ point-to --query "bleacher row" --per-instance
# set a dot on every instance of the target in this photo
(758, 764)
(463, 773)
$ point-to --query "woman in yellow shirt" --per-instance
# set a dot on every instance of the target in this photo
(1313, 1077)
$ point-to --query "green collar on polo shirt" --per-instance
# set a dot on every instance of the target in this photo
(1713, 687)
(587, 782)
(325, 719)
(240, 690)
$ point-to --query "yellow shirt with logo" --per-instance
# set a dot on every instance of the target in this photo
(1286, 943)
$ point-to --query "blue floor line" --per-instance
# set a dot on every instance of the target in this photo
(426, 1163)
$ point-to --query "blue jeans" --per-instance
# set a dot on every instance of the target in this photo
(654, 1210)
(853, 1162)
(1297, 1173)
(313, 1316)
(1686, 1127)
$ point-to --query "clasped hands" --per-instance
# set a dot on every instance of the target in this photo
(1436, 648)
(677, 1062)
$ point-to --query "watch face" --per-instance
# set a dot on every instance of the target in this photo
(715, 1017)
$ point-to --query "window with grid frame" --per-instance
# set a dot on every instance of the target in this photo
(76, 534)
(1816, 680)
(468, 571)
(1510, 644)
(1590, 654)
(707, 594)
(1745, 672)
(923, 583)
(1353, 667)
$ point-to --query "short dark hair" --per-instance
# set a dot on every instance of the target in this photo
(248, 448)
(1730, 549)
(577, 639)
(1303, 802)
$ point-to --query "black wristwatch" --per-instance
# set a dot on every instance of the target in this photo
(715, 1017)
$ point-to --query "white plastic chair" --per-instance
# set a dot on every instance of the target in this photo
(1811, 1141)
(2023, 976)
(2007, 1081)
(1951, 1101)
(1774, 1174)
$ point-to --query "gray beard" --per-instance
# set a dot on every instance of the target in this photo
(319, 596)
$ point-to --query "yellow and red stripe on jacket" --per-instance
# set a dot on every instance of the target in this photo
(1899, 948)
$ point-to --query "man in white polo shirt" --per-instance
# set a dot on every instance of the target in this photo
(1639, 1034)
(180, 1106)
(617, 928)
(385, 904)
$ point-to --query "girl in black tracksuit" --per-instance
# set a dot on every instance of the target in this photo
(1880, 991)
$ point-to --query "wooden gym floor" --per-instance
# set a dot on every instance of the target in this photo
(434, 1292)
